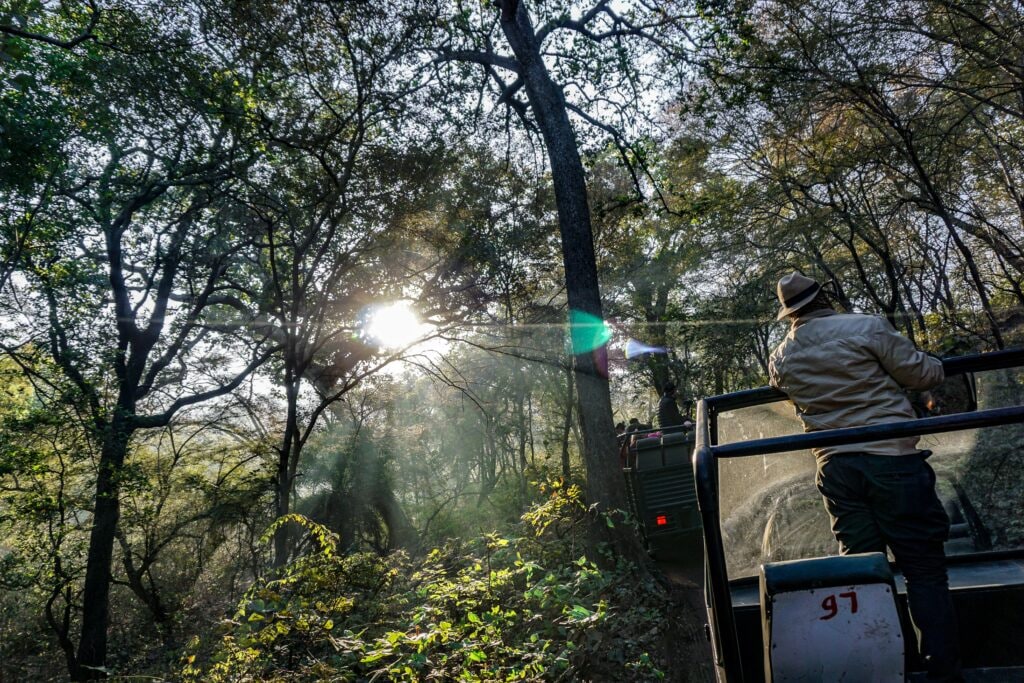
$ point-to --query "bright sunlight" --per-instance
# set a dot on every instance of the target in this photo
(393, 325)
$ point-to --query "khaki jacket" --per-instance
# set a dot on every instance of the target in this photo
(848, 370)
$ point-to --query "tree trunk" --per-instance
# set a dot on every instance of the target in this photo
(92, 644)
(656, 310)
(567, 424)
(592, 392)
(529, 425)
(522, 437)
(401, 532)
(284, 479)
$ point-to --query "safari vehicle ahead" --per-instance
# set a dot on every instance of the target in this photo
(782, 606)
(663, 497)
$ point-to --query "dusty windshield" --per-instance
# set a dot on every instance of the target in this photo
(771, 510)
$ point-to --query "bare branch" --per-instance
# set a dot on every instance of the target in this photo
(86, 34)
(477, 57)
(164, 418)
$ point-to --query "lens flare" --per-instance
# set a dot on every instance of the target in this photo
(587, 332)
(637, 349)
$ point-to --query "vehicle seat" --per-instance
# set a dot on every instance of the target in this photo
(831, 619)
(677, 448)
(648, 454)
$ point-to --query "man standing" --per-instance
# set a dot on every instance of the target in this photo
(849, 370)
(669, 418)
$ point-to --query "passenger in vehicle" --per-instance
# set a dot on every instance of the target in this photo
(670, 420)
(846, 370)
(623, 442)
(635, 431)
(636, 426)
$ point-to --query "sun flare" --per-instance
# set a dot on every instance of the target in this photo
(394, 326)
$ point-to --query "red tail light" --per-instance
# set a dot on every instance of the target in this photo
(661, 520)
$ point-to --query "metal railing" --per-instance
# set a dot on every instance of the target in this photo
(707, 451)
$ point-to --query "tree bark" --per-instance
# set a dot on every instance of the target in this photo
(592, 391)
(284, 480)
(567, 423)
(92, 644)
(655, 312)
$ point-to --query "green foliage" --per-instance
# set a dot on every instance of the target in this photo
(525, 607)
(897, 193)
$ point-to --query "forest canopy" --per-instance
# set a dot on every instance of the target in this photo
(316, 317)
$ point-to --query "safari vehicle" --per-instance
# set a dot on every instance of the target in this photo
(661, 492)
(782, 606)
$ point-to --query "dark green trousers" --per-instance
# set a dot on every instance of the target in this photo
(880, 501)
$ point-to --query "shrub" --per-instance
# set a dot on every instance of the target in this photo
(493, 609)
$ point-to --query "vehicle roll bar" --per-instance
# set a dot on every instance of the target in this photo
(705, 464)
(722, 621)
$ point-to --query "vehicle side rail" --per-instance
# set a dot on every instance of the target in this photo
(707, 451)
(889, 430)
(957, 365)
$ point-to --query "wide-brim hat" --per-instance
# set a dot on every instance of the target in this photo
(795, 291)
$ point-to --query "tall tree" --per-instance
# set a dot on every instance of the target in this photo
(598, 39)
(121, 285)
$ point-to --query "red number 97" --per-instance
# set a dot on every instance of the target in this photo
(831, 605)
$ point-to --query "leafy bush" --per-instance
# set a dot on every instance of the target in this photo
(494, 609)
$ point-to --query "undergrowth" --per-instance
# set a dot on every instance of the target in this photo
(522, 607)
